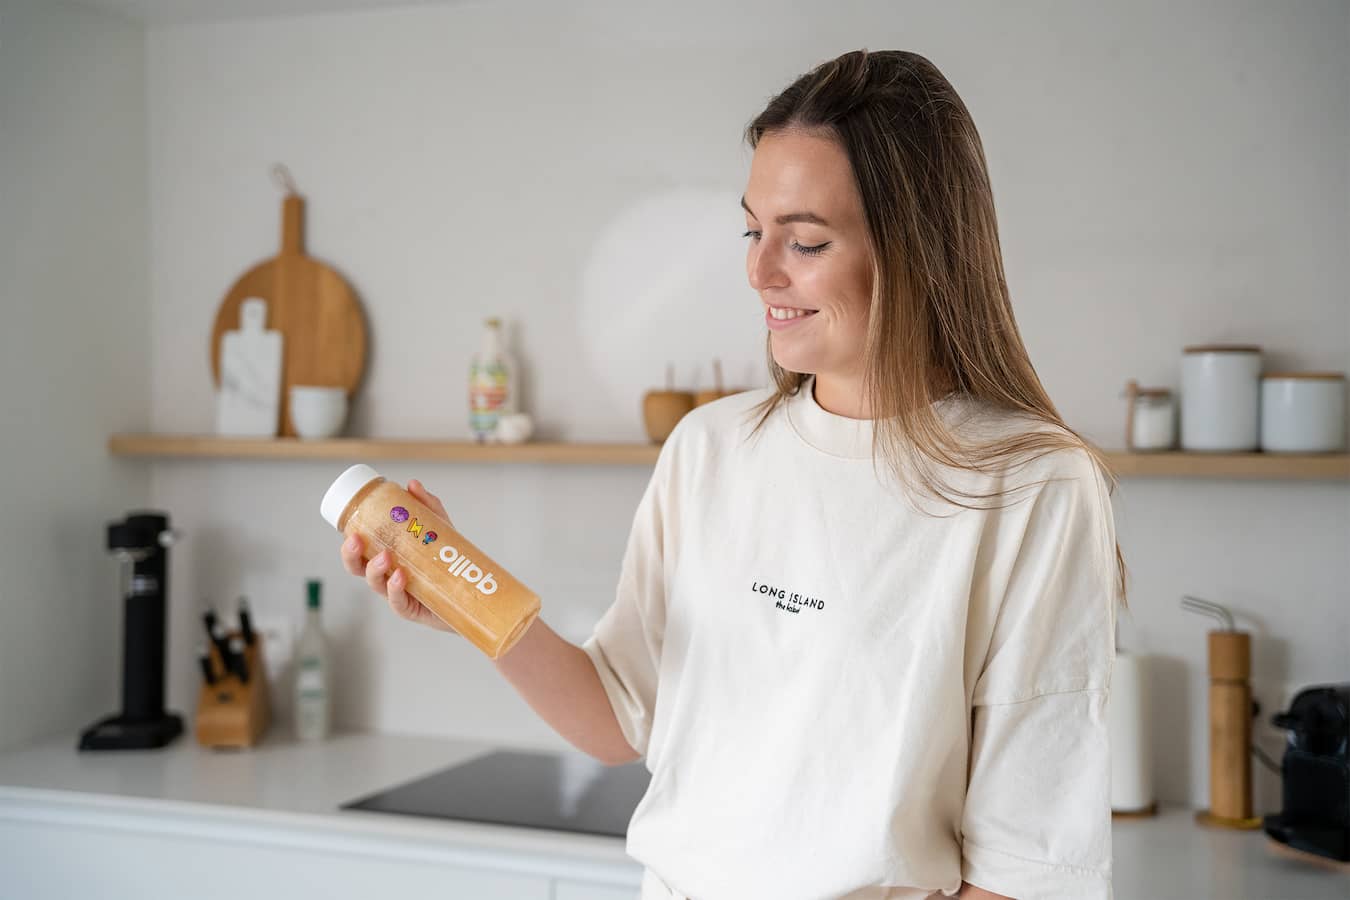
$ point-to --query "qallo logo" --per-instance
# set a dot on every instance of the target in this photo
(462, 567)
(459, 565)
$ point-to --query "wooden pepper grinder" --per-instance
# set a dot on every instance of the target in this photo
(1230, 722)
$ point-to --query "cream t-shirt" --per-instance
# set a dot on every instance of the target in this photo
(839, 695)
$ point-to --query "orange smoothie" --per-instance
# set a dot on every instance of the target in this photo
(458, 582)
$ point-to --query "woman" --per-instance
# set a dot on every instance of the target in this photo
(849, 679)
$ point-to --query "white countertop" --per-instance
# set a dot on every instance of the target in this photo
(284, 782)
(1171, 857)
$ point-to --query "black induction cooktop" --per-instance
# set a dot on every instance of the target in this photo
(558, 791)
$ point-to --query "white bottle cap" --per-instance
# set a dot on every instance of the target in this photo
(341, 492)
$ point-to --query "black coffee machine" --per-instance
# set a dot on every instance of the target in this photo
(1315, 773)
(141, 542)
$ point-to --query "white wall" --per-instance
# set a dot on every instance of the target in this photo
(1164, 174)
(73, 354)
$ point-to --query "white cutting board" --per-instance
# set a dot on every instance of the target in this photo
(248, 402)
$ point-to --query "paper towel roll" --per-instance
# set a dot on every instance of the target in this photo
(1131, 741)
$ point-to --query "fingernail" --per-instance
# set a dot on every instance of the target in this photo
(351, 543)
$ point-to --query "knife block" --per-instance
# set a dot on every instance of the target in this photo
(231, 713)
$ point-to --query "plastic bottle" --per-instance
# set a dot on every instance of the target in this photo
(493, 383)
(312, 701)
(461, 584)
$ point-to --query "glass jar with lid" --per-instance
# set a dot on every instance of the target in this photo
(1151, 422)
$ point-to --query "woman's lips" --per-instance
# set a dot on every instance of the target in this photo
(784, 324)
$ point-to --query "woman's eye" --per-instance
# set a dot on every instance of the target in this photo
(805, 251)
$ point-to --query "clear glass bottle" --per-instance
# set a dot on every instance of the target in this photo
(493, 383)
(312, 702)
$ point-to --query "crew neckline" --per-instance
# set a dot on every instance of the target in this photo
(832, 433)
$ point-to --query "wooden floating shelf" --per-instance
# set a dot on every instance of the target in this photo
(359, 449)
(1302, 466)
(1193, 464)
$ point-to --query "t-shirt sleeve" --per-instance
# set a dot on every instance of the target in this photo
(625, 645)
(1037, 816)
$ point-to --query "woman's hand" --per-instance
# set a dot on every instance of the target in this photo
(391, 584)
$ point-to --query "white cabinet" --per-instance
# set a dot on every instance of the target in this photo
(190, 822)
(63, 844)
(58, 861)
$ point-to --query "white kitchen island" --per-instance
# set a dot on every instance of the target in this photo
(189, 822)
(186, 821)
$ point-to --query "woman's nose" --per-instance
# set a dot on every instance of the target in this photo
(764, 269)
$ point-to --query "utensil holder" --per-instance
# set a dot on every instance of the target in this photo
(233, 713)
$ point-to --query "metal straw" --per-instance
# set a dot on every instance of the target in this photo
(1206, 608)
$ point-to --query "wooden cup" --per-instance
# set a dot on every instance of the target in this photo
(662, 411)
(702, 397)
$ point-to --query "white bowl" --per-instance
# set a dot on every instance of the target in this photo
(318, 412)
(514, 428)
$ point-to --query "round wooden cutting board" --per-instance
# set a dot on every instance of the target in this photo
(322, 324)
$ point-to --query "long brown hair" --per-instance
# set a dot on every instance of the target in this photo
(940, 320)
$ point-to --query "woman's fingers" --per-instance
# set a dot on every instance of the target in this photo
(377, 572)
(351, 555)
(400, 602)
(418, 490)
(389, 582)
(408, 607)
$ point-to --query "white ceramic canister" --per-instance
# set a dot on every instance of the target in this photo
(1220, 397)
(1303, 412)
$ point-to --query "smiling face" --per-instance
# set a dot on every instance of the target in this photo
(808, 250)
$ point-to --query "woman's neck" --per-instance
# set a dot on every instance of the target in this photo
(843, 394)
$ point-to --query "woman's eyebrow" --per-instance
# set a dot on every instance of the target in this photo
(790, 217)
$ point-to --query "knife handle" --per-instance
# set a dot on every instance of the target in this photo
(208, 670)
(238, 662)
